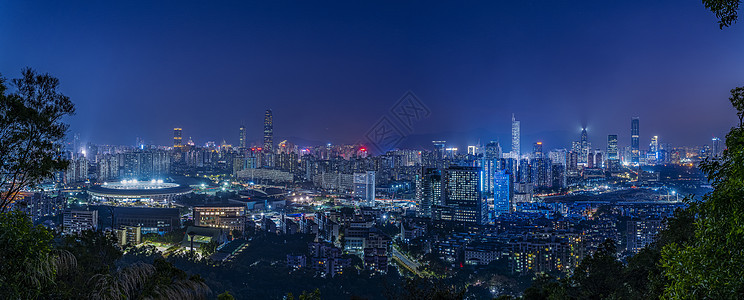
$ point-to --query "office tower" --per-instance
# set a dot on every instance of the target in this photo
(461, 194)
(490, 164)
(228, 216)
(267, 157)
(598, 159)
(590, 160)
(438, 149)
(516, 150)
(364, 187)
(177, 139)
(635, 151)
(653, 147)
(584, 138)
(503, 192)
(541, 172)
(537, 150)
(558, 156)
(572, 160)
(524, 171)
(558, 173)
(241, 139)
(584, 146)
(612, 147)
(268, 145)
(77, 221)
(717, 151)
(75, 145)
(473, 150)
(431, 191)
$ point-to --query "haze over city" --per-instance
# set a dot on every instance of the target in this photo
(330, 71)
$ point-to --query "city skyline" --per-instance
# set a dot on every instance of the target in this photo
(593, 69)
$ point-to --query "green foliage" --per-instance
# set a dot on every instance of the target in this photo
(725, 10)
(315, 295)
(171, 237)
(426, 288)
(28, 261)
(596, 277)
(737, 100)
(145, 281)
(96, 253)
(225, 296)
(708, 265)
(208, 248)
(31, 132)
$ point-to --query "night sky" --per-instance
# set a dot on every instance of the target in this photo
(329, 71)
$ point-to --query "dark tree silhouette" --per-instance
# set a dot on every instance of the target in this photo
(726, 11)
(31, 132)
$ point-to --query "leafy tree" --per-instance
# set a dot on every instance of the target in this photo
(596, 276)
(96, 253)
(726, 11)
(29, 263)
(144, 281)
(208, 248)
(708, 265)
(31, 132)
(315, 295)
(225, 296)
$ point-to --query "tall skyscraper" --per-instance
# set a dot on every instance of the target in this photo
(717, 147)
(241, 138)
(537, 150)
(431, 191)
(584, 138)
(635, 151)
(268, 132)
(490, 164)
(584, 147)
(461, 194)
(612, 147)
(516, 150)
(364, 187)
(438, 149)
(653, 147)
(503, 192)
(177, 143)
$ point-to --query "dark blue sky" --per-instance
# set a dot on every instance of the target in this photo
(330, 70)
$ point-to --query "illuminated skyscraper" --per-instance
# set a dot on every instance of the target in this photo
(717, 150)
(537, 150)
(241, 138)
(584, 146)
(503, 192)
(612, 147)
(268, 132)
(516, 150)
(584, 138)
(490, 164)
(634, 145)
(438, 149)
(177, 144)
(653, 147)
(364, 187)
(461, 193)
(431, 191)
